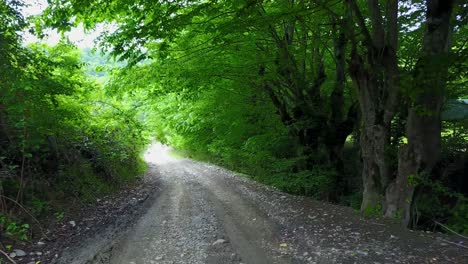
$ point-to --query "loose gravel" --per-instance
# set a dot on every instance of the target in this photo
(201, 213)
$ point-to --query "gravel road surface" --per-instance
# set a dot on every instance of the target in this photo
(206, 214)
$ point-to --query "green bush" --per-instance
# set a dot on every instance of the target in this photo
(318, 182)
(353, 200)
(12, 229)
(80, 181)
(435, 203)
(61, 136)
(458, 218)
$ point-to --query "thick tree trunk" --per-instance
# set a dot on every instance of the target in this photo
(376, 173)
(376, 170)
(419, 156)
(375, 75)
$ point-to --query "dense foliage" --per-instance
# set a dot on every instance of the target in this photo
(61, 138)
(340, 100)
(294, 92)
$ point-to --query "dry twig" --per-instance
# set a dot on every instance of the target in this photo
(446, 227)
(8, 257)
(453, 243)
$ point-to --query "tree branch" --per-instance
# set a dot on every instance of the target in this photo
(361, 23)
(377, 24)
(392, 23)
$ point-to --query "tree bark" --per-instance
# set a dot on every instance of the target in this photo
(375, 75)
(420, 155)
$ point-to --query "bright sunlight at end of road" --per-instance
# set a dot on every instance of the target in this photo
(158, 153)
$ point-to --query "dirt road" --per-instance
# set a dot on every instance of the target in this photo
(205, 214)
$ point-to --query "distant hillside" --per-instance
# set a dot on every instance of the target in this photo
(98, 64)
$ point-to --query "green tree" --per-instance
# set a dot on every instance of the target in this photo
(214, 70)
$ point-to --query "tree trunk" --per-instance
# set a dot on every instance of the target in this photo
(376, 172)
(375, 75)
(419, 156)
